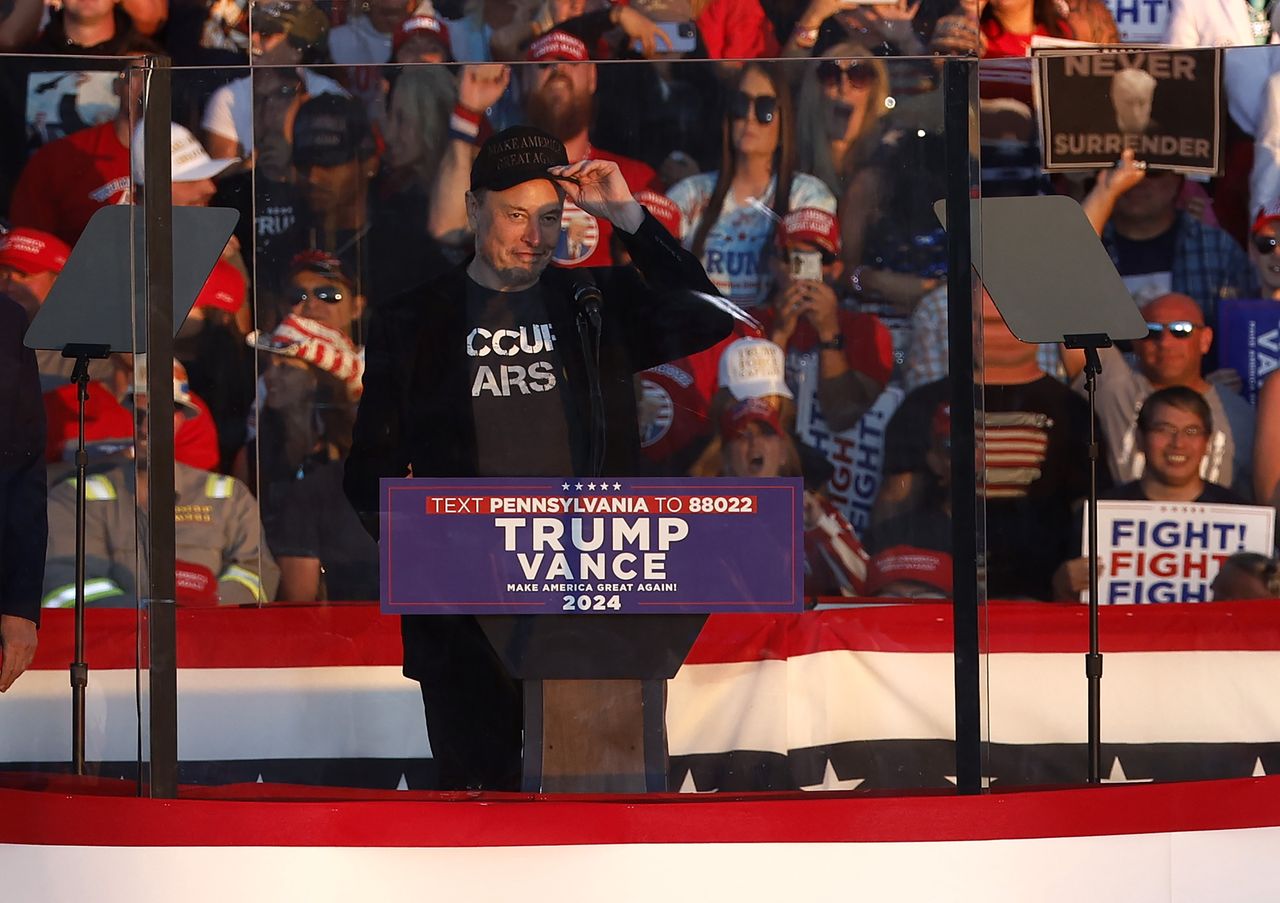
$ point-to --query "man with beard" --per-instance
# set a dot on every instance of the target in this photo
(486, 372)
(559, 99)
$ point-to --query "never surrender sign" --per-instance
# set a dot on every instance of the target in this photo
(543, 546)
(1171, 551)
(1164, 105)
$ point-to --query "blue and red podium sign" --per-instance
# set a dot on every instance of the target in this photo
(591, 546)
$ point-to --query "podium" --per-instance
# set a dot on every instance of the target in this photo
(594, 696)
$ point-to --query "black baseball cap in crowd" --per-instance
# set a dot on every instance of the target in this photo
(518, 154)
(331, 129)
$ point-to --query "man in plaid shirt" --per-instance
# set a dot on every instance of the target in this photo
(1159, 248)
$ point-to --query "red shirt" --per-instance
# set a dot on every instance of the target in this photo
(584, 239)
(737, 30)
(675, 399)
(67, 181)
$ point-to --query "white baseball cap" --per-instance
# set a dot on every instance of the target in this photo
(190, 162)
(751, 367)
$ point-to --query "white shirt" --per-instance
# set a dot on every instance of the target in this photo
(735, 254)
(229, 112)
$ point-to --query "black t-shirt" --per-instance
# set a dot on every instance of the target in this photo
(310, 517)
(1036, 439)
(1213, 494)
(524, 422)
(1147, 255)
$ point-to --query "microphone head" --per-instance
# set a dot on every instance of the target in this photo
(585, 290)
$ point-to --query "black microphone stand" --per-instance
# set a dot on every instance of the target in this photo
(587, 297)
(79, 668)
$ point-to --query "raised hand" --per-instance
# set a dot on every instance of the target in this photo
(480, 87)
(597, 186)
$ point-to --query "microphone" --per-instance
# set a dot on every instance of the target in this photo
(586, 294)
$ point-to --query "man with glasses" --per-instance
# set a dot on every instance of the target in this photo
(1170, 355)
(1175, 432)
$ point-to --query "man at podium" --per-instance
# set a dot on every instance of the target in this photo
(489, 371)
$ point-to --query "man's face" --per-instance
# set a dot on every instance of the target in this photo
(332, 188)
(386, 15)
(516, 230)
(1174, 445)
(755, 452)
(193, 194)
(324, 299)
(1154, 198)
(1166, 358)
(28, 289)
(273, 48)
(1133, 106)
(559, 98)
(999, 345)
(1266, 257)
(289, 382)
(422, 47)
(87, 10)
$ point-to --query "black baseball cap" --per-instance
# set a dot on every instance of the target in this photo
(518, 154)
(331, 129)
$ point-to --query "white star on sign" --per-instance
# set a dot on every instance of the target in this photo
(578, 486)
(591, 485)
(617, 485)
(564, 485)
(832, 781)
(1118, 776)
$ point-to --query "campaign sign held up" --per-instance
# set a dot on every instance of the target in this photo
(1171, 551)
(1164, 105)
(591, 546)
(1248, 339)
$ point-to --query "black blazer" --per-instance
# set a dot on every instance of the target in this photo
(416, 410)
(23, 504)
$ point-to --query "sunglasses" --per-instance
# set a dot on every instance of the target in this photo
(856, 74)
(1266, 244)
(329, 294)
(1179, 329)
(766, 106)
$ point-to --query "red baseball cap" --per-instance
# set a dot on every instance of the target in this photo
(813, 225)
(910, 564)
(558, 45)
(224, 289)
(664, 209)
(428, 25)
(1266, 215)
(33, 251)
(734, 421)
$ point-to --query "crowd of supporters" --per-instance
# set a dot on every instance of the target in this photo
(785, 143)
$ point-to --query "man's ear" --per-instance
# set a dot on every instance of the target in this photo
(473, 211)
(1206, 339)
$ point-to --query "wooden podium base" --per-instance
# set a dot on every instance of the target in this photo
(595, 736)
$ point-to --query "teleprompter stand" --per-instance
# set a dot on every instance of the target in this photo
(1045, 268)
(90, 313)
